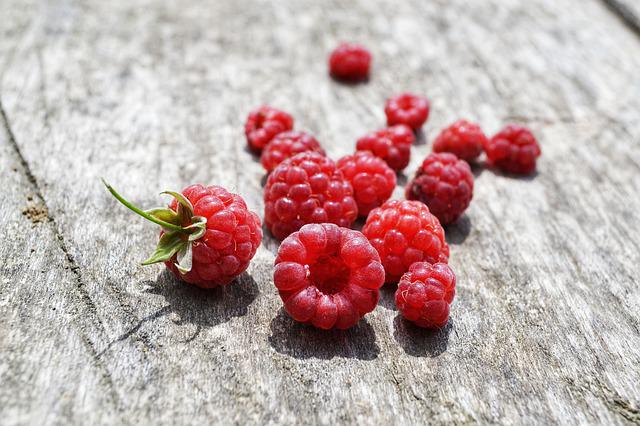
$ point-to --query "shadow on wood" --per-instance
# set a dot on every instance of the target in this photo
(205, 308)
(269, 242)
(421, 138)
(402, 179)
(387, 296)
(349, 83)
(421, 342)
(302, 341)
(477, 168)
(254, 155)
(457, 232)
(498, 172)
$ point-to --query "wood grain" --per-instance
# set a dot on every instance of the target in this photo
(152, 95)
(49, 341)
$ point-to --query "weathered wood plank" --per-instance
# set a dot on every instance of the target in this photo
(546, 324)
(49, 337)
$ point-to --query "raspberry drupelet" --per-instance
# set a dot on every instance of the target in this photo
(307, 188)
(407, 109)
(286, 145)
(424, 294)
(514, 150)
(445, 184)
(350, 62)
(404, 232)
(208, 237)
(328, 276)
(372, 180)
(263, 124)
(392, 144)
(462, 138)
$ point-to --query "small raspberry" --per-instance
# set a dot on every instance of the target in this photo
(392, 144)
(307, 188)
(444, 184)
(263, 124)
(514, 150)
(350, 62)
(425, 293)
(407, 109)
(328, 276)
(404, 232)
(209, 235)
(286, 145)
(462, 138)
(372, 180)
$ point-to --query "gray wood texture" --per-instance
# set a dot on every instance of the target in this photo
(629, 12)
(152, 95)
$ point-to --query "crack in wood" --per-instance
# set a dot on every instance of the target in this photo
(628, 17)
(546, 270)
(71, 264)
(611, 399)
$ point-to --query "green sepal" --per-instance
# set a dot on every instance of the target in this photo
(185, 208)
(164, 214)
(137, 210)
(185, 259)
(178, 239)
(199, 223)
(169, 244)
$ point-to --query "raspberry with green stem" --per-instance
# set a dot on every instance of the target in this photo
(208, 234)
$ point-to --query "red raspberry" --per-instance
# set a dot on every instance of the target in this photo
(328, 276)
(232, 237)
(405, 232)
(444, 184)
(372, 180)
(286, 145)
(408, 109)
(209, 236)
(350, 62)
(263, 124)
(462, 138)
(392, 144)
(307, 188)
(425, 293)
(514, 150)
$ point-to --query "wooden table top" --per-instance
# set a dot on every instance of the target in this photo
(152, 95)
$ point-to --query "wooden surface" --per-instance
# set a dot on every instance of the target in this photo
(152, 95)
(628, 11)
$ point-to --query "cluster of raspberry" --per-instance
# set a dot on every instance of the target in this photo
(326, 273)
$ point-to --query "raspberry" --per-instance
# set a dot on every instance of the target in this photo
(407, 109)
(307, 188)
(372, 180)
(462, 138)
(350, 62)
(263, 124)
(514, 150)
(328, 276)
(444, 184)
(286, 145)
(405, 232)
(209, 236)
(425, 293)
(392, 144)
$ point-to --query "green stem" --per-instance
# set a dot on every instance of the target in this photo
(142, 213)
